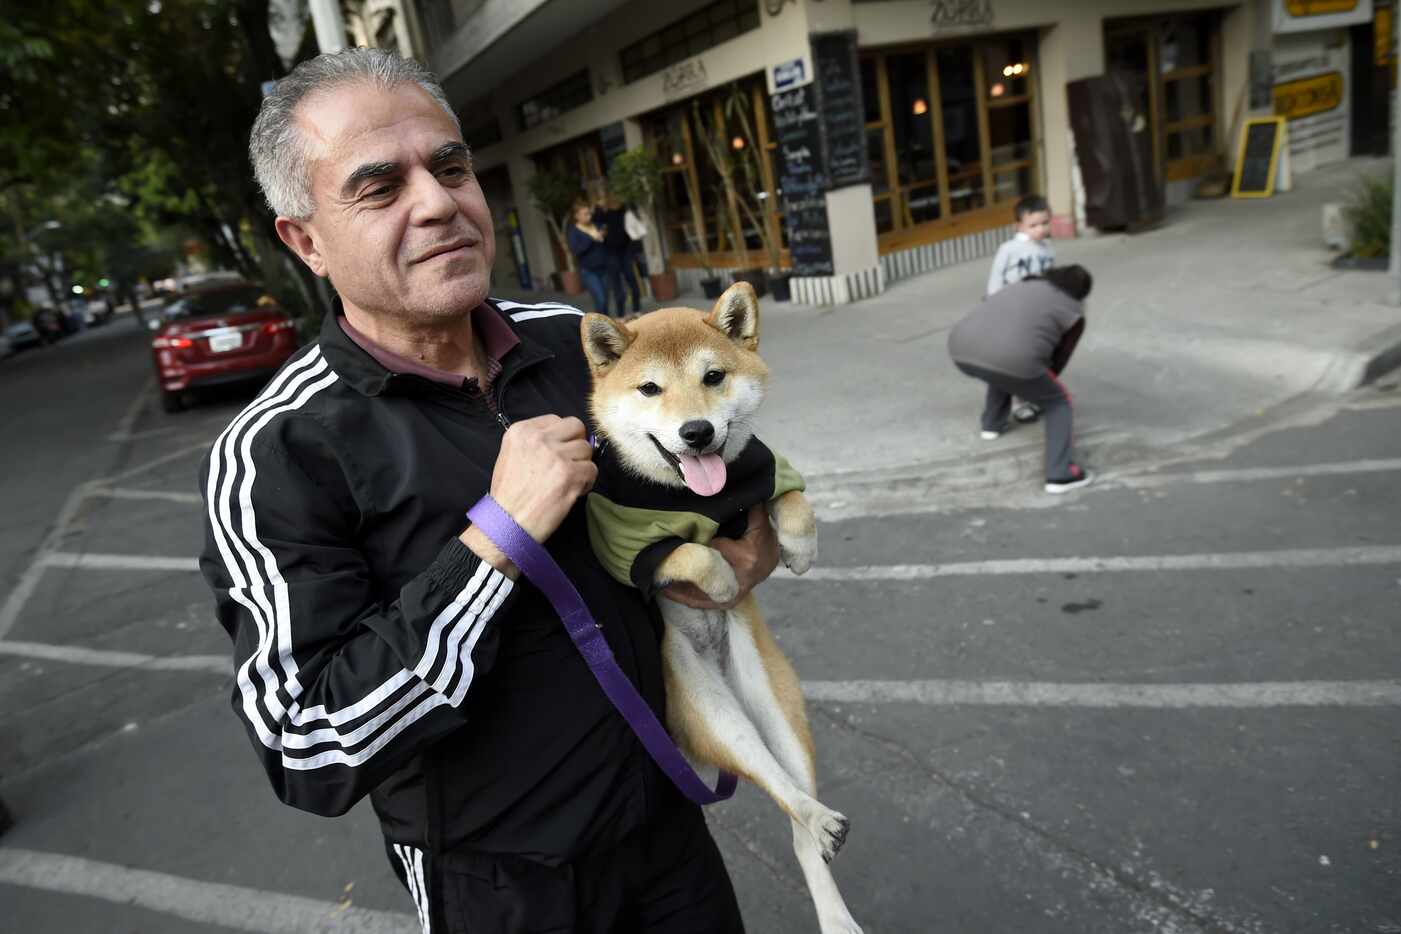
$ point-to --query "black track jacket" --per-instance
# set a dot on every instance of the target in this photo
(375, 653)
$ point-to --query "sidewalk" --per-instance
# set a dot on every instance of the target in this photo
(1227, 310)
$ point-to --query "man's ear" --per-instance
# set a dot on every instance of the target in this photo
(604, 340)
(736, 315)
(298, 238)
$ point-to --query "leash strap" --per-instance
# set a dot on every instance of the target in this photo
(542, 571)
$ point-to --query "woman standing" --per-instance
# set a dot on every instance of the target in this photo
(1019, 341)
(586, 243)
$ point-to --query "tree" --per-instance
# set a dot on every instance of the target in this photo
(554, 194)
(636, 176)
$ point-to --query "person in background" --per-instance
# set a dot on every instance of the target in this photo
(1028, 253)
(635, 223)
(1019, 341)
(615, 237)
(585, 240)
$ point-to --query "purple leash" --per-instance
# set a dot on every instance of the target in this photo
(542, 571)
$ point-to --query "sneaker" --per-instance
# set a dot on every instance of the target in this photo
(990, 435)
(1027, 413)
(1080, 478)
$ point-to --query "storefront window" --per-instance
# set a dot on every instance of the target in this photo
(696, 211)
(950, 130)
(962, 148)
(1171, 61)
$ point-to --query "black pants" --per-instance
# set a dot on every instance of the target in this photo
(1046, 391)
(666, 878)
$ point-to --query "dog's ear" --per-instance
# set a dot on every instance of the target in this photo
(736, 315)
(604, 340)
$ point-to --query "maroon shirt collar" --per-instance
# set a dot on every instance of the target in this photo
(497, 340)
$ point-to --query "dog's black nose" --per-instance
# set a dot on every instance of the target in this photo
(698, 433)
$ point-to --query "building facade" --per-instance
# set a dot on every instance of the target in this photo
(933, 116)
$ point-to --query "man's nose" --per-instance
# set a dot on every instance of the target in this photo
(431, 201)
(697, 433)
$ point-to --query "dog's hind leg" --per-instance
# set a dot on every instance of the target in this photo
(711, 724)
(769, 688)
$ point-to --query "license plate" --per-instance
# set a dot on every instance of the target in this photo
(222, 341)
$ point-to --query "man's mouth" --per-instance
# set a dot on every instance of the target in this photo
(703, 474)
(454, 247)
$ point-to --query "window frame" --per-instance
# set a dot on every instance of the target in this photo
(905, 231)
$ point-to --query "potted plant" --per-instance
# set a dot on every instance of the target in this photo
(636, 177)
(554, 194)
(711, 285)
(714, 137)
(755, 207)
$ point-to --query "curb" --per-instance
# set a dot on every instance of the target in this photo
(1384, 356)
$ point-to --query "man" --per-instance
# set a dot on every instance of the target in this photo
(382, 646)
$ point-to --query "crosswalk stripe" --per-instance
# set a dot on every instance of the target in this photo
(1225, 561)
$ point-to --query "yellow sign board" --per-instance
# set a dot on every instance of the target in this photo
(1305, 97)
(1261, 139)
(1319, 7)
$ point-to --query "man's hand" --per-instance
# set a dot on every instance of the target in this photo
(753, 555)
(545, 464)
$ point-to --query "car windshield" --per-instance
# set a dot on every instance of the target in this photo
(206, 304)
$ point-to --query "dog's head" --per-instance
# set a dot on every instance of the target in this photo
(675, 391)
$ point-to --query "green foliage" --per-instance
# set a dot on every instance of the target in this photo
(636, 176)
(1368, 213)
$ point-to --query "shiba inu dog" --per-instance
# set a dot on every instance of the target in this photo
(674, 396)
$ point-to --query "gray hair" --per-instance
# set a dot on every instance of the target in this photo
(276, 147)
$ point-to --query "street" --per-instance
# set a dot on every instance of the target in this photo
(1166, 704)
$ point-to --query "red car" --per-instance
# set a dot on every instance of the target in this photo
(231, 332)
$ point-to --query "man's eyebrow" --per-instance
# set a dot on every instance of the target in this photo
(451, 151)
(368, 170)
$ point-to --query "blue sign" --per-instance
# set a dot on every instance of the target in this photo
(789, 74)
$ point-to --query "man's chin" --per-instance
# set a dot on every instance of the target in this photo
(453, 298)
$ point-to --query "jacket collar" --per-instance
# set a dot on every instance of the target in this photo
(370, 377)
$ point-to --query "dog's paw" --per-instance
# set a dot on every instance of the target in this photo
(829, 829)
(798, 553)
(720, 583)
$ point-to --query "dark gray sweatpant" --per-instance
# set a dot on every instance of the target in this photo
(1046, 391)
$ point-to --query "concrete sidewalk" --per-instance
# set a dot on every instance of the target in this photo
(1226, 311)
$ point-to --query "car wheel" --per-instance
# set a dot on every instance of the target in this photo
(172, 401)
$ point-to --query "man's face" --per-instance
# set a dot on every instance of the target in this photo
(401, 225)
(1036, 224)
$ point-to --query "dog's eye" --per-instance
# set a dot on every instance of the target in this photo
(714, 377)
(650, 389)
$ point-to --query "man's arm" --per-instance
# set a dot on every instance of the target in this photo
(337, 684)
(1060, 357)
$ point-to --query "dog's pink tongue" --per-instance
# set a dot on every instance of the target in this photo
(705, 475)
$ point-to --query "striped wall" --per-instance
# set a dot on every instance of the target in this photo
(931, 256)
(837, 290)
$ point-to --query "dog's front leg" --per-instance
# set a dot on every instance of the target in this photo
(705, 567)
(796, 527)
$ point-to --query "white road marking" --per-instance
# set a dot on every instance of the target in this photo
(101, 562)
(1226, 561)
(196, 448)
(1250, 474)
(1157, 696)
(29, 580)
(77, 655)
(937, 693)
(229, 906)
(123, 429)
(172, 496)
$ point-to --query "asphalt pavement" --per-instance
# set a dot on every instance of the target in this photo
(1169, 703)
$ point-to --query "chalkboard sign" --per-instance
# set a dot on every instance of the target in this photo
(803, 180)
(1260, 141)
(843, 113)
